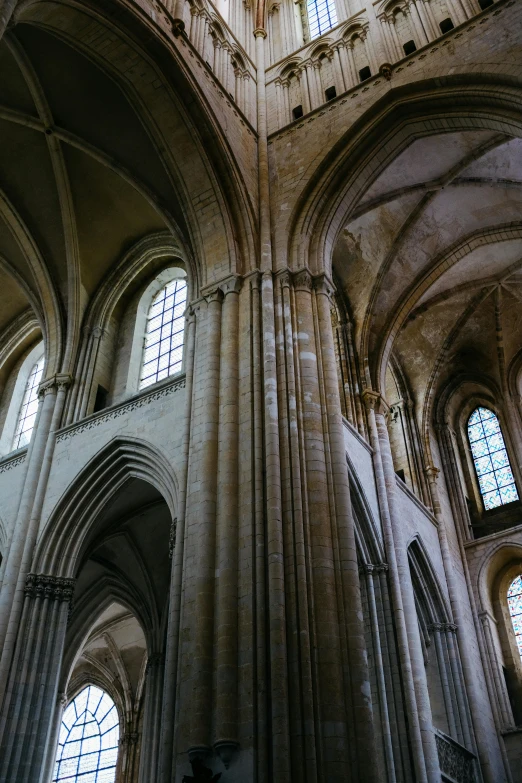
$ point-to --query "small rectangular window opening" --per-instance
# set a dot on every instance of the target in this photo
(100, 401)
(365, 73)
(485, 4)
(409, 47)
(330, 93)
(446, 25)
(297, 112)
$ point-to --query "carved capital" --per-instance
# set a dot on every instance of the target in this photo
(323, 285)
(59, 382)
(214, 295)
(285, 279)
(231, 285)
(259, 32)
(303, 280)
(54, 588)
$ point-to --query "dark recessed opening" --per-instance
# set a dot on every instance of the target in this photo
(365, 73)
(330, 93)
(485, 4)
(101, 399)
(409, 47)
(400, 474)
(446, 25)
(297, 112)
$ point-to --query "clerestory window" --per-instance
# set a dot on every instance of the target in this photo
(29, 407)
(514, 599)
(89, 737)
(495, 477)
(322, 16)
(164, 334)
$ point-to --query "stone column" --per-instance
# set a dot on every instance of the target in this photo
(394, 551)
(463, 640)
(25, 529)
(428, 21)
(431, 759)
(338, 65)
(275, 577)
(177, 544)
(226, 567)
(342, 529)
(151, 727)
(306, 94)
(203, 620)
(417, 24)
(371, 571)
(30, 699)
(300, 623)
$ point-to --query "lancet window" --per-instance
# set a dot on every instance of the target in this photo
(514, 599)
(164, 334)
(495, 477)
(89, 737)
(29, 407)
(322, 16)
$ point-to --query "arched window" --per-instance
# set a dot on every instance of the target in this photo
(29, 407)
(514, 599)
(163, 349)
(322, 16)
(497, 485)
(89, 737)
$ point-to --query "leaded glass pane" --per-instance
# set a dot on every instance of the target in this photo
(514, 597)
(29, 408)
(496, 480)
(165, 319)
(322, 16)
(89, 737)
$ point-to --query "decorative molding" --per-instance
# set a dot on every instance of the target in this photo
(12, 462)
(443, 627)
(54, 588)
(373, 568)
(120, 410)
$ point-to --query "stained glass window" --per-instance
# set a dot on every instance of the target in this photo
(321, 16)
(29, 409)
(89, 737)
(163, 349)
(494, 473)
(514, 598)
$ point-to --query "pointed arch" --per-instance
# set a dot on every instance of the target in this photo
(73, 520)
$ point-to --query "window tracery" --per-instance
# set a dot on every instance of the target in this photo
(322, 16)
(89, 737)
(495, 477)
(514, 599)
(164, 334)
(29, 407)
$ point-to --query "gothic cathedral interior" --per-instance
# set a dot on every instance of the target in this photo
(261, 391)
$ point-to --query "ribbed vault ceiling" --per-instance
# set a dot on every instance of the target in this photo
(431, 262)
(80, 177)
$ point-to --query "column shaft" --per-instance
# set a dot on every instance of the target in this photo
(200, 709)
(226, 642)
